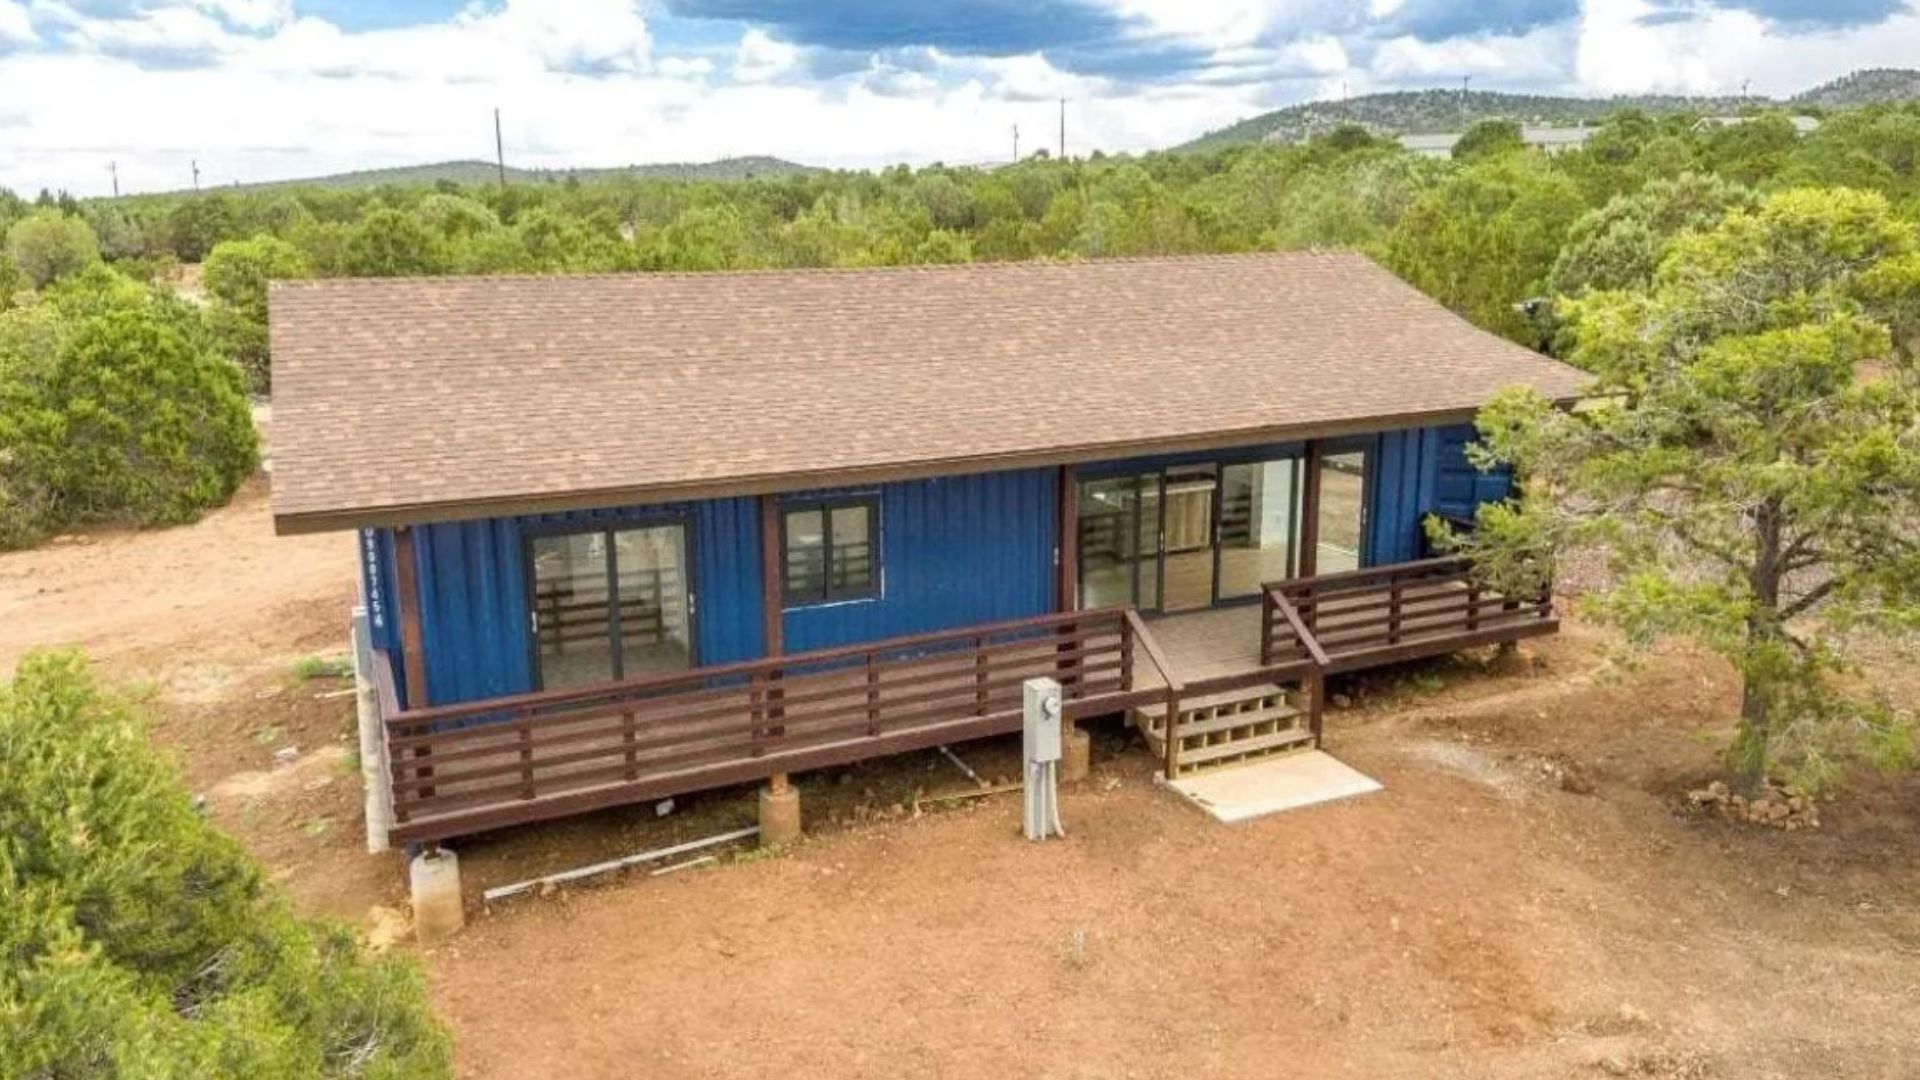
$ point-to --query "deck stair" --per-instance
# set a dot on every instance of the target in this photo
(1227, 728)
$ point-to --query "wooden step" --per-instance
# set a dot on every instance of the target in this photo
(1227, 728)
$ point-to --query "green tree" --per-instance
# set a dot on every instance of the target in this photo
(236, 274)
(1489, 139)
(115, 407)
(1618, 245)
(1750, 460)
(391, 243)
(142, 942)
(1483, 240)
(197, 223)
(49, 245)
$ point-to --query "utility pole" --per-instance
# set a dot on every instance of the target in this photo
(1465, 81)
(196, 173)
(1016, 144)
(113, 170)
(1744, 83)
(499, 148)
(1063, 129)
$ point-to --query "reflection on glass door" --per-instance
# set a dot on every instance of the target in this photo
(1186, 538)
(1259, 525)
(1117, 541)
(1343, 512)
(609, 604)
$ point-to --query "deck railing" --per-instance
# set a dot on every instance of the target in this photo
(1381, 615)
(464, 768)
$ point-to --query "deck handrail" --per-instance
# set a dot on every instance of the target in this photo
(760, 666)
(1173, 687)
(1299, 627)
(464, 768)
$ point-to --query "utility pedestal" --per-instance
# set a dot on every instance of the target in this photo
(779, 812)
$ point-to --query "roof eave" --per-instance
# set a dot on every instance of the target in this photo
(300, 522)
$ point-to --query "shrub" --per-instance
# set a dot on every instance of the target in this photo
(115, 408)
(236, 274)
(139, 940)
(49, 245)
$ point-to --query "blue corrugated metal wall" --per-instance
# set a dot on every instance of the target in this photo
(954, 551)
(1418, 472)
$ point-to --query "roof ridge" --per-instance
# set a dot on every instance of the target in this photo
(973, 266)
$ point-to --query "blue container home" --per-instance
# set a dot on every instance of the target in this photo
(629, 535)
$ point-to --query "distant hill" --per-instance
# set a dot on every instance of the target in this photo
(484, 172)
(1866, 87)
(1423, 112)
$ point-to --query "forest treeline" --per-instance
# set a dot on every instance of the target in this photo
(90, 284)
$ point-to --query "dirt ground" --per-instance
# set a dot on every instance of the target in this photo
(1475, 919)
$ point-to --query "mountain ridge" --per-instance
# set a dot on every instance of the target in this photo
(1434, 111)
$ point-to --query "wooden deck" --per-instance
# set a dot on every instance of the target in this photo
(465, 768)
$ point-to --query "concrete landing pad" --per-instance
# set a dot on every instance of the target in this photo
(1268, 787)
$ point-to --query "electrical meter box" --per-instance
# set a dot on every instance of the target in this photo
(1041, 731)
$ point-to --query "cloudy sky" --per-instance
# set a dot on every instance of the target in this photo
(267, 89)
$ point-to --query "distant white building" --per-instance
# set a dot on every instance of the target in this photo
(1551, 140)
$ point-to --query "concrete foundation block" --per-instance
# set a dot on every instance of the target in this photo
(779, 816)
(434, 878)
(1076, 756)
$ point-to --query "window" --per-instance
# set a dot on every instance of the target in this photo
(830, 550)
(609, 603)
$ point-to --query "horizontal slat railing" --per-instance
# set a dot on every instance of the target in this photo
(1384, 614)
(467, 767)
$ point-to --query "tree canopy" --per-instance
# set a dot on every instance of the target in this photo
(141, 941)
(1750, 463)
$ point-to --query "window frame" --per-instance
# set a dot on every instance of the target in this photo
(607, 527)
(825, 506)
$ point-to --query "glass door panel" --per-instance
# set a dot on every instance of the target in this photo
(572, 609)
(1187, 538)
(1259, 525)
(655, 623)
(1343, 512)
(610, 604)
(1117, 532)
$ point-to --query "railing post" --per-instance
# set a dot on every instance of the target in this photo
(1171, 763)
(526, 758)
(873, 696)
(628, 735)
(757, 730)
(1473, 604)
(1266, 627)
(980, 674)
(1393, 611)
(1126, 653)
(1316, 701)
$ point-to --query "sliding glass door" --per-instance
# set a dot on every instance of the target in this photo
(1343, 512)
(1189, 536)
(609, 604)
(1259, 525)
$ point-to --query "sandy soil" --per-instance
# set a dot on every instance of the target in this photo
(1475, 919)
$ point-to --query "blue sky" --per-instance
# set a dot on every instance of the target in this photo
(260, 89)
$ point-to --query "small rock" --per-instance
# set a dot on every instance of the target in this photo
(663, 808)
(1633, 1016)
(1340, 701)
(286, 754)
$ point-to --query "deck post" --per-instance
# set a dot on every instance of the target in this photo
(413, 648)
(779, 801)
(1316, 702)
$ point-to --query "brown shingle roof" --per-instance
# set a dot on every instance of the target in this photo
(435, 398)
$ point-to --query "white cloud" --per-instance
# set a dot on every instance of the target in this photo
(16, 28)
(253, 91)
(761, 59)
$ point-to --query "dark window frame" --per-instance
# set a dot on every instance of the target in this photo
(607, 527)
(827, 594)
